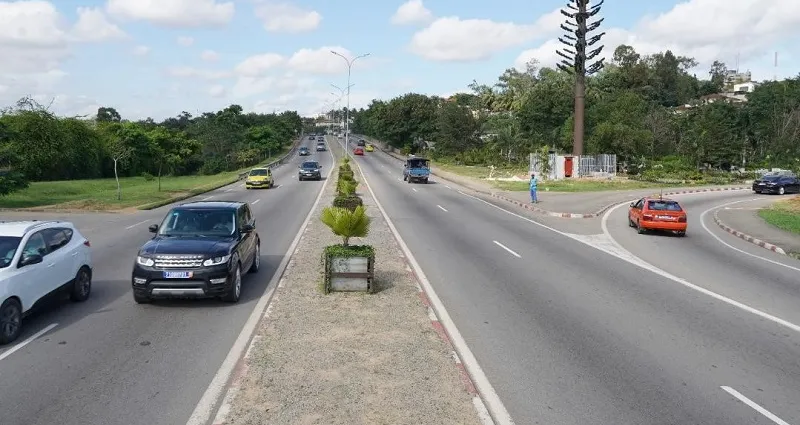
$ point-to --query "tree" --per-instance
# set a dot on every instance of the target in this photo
(107, 114)
(119, 154)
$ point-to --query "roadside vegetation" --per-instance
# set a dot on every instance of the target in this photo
(784, 214)
(650, 111)
(107, 162)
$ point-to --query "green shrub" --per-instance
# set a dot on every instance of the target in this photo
(347, 175)
(346, 187)
(347, 202)
(148, 177)
(347, 223)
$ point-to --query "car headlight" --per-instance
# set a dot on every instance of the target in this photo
(145, 261)
(216, 261)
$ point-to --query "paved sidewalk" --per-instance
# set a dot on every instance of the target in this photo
(744, 220)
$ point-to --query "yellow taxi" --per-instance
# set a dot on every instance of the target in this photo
(259, 178)
(370, 148)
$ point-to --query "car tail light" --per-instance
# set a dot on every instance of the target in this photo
(87, 243)
(647, 217)
(682, 219)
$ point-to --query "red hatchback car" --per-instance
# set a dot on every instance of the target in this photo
(657, 214)
(358, 151)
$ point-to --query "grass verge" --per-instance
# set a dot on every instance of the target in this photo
(101, 194)
(784, 215)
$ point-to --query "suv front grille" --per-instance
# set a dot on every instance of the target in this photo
(179, 261)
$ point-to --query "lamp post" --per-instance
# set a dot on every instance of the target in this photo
(347, 112)
(575, 61)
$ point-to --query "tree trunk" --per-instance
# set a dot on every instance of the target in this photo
(160, 166)
(116, 177)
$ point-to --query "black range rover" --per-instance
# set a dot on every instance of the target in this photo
(200, 250)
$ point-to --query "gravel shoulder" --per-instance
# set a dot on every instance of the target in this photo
(349, 358)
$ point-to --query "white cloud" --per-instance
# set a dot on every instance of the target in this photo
(204, 74)
(322, 61)
(174, 13)
(93, 25)
(185, 41)
(259, 65)
(452, 39)
(286, 17)
(141, 51)
(412, 12)
(706, 30)
(209, 56)
(217, 91)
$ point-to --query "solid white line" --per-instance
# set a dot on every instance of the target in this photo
(256, 201)
(30, 339)
(645, 265)
(228, 190)
(205, 407)
(414, 189)
(134, 225)
(494, 405)
(507, 249)
(754, 406)
(703, 224)
(447, 186)
(442, 208)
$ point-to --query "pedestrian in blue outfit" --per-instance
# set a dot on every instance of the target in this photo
(533, 185)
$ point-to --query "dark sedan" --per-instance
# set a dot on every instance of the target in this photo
(777, 184)
(310, 170)
(200, 250)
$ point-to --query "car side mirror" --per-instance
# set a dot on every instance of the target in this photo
(247, 228)
(633, 204)
(153, 228)
(30, 259)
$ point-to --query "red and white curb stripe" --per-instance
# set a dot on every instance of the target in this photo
(746, 237)
(605, 208)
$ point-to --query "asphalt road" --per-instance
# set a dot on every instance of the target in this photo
(568, 334)
(110, 361)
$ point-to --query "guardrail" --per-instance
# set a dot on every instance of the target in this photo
(281, 160)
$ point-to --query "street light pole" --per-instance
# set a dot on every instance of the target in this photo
(347, 112)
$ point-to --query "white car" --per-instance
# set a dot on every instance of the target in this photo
(38, 259)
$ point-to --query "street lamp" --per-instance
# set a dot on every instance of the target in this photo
(347, 112)
(577, 61)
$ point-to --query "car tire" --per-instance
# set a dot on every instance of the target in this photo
(630, 222)
(10, 321)
(82, 286)
(256, 259)
(141, 299)
(639, 229)
(781, 190)
(682, 233)
(235, 293)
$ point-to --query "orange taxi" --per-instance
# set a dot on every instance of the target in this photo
(657, 214)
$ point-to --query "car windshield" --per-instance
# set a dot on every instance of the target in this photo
(310, 165)
(259, 172)
(8, 247)
(664, 206)
(199, 222)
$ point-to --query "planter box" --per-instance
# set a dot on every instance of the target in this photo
(352, 271)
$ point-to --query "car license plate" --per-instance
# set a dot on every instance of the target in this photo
(665, 217)
(177, 275)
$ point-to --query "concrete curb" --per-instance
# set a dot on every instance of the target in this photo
(605, 208)
(746, 237)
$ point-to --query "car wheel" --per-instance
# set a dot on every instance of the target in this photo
(630, 222)
(781, 190)
(82, 287)
(639, 228)
(236, 289)
(10, 321)
(256, 259)
(682, 233)
(141, 298)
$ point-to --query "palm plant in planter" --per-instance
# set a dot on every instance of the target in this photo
(348, 267)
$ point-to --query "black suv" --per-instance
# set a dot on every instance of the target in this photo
(310, 170)
(200, 250)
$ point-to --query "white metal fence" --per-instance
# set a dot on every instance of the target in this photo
(603, 165)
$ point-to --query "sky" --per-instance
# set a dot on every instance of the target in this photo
(157, 58)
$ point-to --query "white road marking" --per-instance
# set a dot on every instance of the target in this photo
(507, 249)
(442, 208)
(703, 224)
(489, 400)
(414, 189)
(632, 259)
(207, 198)
(228, 190)
(447, 186)
(256, 201)
(399, 179)
(134, 225)
(754, 406)
(211, 397)
(30, 339)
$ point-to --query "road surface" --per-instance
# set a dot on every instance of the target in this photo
(110, 361)
(569, 334)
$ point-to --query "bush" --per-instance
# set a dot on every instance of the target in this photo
(346, 187)
(346, 223)
(347, 175)
(148, 177)
(348, 202)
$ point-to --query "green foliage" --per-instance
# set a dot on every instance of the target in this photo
(345, 187)
(350, 202)
(640, 107)
(40, 146)
(345, 223)
(346, 174)
(350, 251)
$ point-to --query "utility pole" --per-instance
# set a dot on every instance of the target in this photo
(347, 112)
(576, 60)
